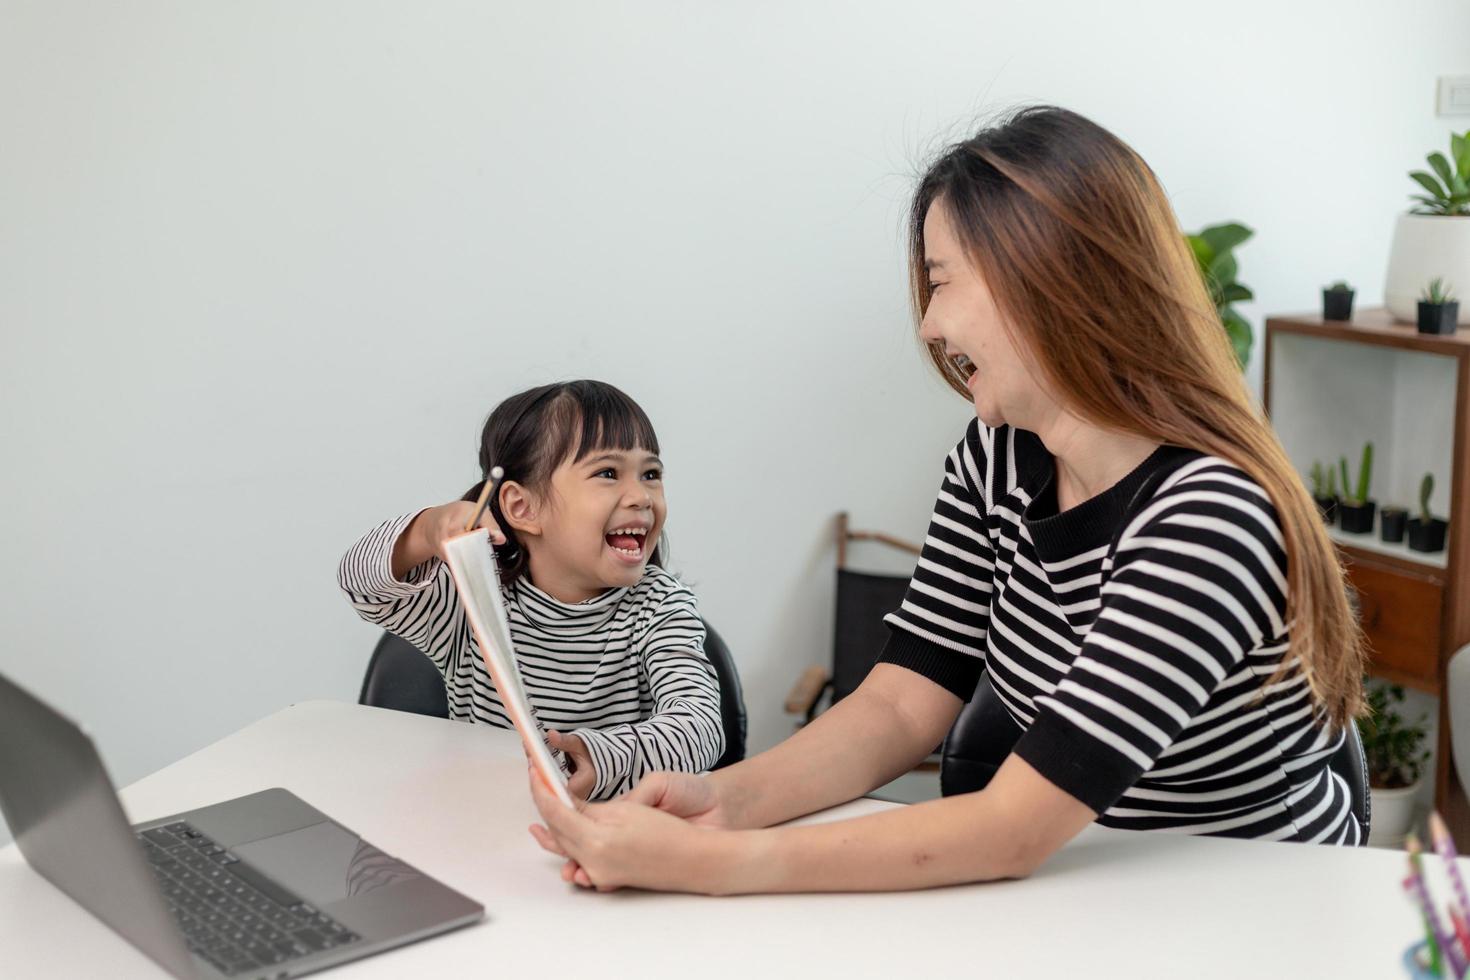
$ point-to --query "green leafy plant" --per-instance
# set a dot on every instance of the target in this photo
(1340, 286)
(1437, 292)
(1214, 254)
(1449, 185)
(1365, 476)
(1331, 482)
(1393, 748)
(1426, 489)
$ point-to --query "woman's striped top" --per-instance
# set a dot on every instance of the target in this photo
(625, 671)
(1130, 637)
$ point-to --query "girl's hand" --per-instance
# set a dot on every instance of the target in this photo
(627, 845)
(438, 524)
(425, 535)
(584, 773)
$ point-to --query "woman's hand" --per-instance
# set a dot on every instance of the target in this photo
(629, 845)
(425, 535)
(584, 774)
(694, 798)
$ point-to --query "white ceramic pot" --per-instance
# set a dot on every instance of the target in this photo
(1426, 246)
(1391, 815)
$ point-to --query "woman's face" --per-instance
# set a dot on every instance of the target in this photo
(963, 319)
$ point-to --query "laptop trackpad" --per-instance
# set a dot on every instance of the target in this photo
(324, 863)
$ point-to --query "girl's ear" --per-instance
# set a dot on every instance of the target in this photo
(520, 509)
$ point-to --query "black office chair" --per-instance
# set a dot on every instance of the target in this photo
(401, 677)
(984, 734)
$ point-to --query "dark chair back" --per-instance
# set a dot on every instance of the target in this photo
(732, 697)
(984, 734)
(858, 636)
(401, 677)
(1351, 763)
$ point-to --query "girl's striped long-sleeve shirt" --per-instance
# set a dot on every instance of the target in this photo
(625, 671)
(1131, 638)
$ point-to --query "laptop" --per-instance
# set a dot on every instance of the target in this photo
(260, 886)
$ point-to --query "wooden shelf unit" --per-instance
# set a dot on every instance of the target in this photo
(1415, 609)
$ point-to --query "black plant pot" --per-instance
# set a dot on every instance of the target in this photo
(1356, 518)
(1337, 304)
(1438, 317)
(1391, 521)
(1328, 507)
(1427, 535)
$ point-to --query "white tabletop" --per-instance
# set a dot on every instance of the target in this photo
(452, 799)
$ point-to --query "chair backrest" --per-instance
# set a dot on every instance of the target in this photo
(984, 734)
(1351, 764)
(858, 635)
(401, 677)
(732, 697)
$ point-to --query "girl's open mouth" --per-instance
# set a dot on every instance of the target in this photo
(627, 543)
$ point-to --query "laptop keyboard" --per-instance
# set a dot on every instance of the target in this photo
(230, 914)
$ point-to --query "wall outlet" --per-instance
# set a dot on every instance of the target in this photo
(1454, 95)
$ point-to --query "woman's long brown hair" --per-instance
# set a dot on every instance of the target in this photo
(1077, 243)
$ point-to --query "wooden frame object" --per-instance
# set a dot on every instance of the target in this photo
(813, 681)
(1415, 613)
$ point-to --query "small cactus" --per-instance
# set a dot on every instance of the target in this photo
(1318, 481)
(1438, 292)
(1365, 473)
(1331, 482)
(1426, 488)
(1365, 477)
(1340, 286)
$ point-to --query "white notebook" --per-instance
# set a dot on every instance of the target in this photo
(472, 562)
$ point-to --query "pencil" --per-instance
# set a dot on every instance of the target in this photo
(497, 476)
(1415, 888)
(1452, 956)
(1445, 845)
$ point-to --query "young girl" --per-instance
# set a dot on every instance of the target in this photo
(610, 645)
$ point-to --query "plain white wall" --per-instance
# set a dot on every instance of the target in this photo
(265, 266)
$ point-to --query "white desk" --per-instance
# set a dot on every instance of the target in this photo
(452, 799)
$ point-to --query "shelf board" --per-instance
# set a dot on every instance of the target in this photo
(1375, 326)
(1433, 562)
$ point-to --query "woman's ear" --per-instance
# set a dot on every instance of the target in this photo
(520, 509)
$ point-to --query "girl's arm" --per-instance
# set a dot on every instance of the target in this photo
(684, 733)
(394, 579)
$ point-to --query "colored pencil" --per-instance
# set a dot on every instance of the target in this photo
(1445, 845)
(497, 476)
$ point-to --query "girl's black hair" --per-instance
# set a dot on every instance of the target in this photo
(530, 434)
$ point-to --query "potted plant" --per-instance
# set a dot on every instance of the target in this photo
(1337, 301)
(1324, 490)
(1395, 755)
(1434, 238)
(1355, 512)
(1214, 255)
(1438, 308)
(1427, 532)
(1391, 524)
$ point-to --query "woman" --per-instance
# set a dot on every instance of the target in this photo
(1119, 540)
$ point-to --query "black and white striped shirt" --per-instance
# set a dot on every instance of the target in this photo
(626, 671)
(1130, 637)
